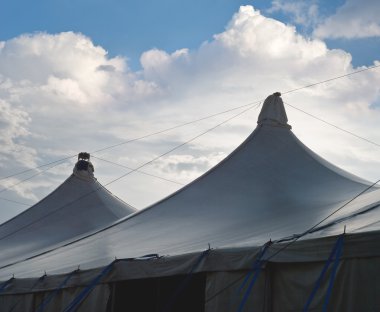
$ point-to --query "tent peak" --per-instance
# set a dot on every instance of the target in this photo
(84, 169)
(273, 112)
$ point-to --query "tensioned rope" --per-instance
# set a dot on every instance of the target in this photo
(296, 238)
(293, 240)
(135, 169)
(14, 201)
(332, 125)
(197, 120)
(331, 79)
(62, 160)
(210, 116)
(182, 144)
(136, 139)
(340, 208)
(216, 114)
(239, 114)
(311, 115)
(105, 160)
(24, 180)
(35, 168)
(29, 178)
(139, 171)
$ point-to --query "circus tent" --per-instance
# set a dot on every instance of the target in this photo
(79, 205)
(272, 207)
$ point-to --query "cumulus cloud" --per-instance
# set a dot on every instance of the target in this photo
(355, 19)
(66, 67)
(251, 46)
(62, 95)
(55, 90)
(13, 128)
(186, 167)
(303, 13)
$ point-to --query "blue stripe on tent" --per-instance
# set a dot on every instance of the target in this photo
(73, 305)
(4, 285)
(55, 292)
(337, 248)
(333, 273)
(255, 271)
(30, 289)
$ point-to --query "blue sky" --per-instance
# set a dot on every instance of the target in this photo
(129, 28)
(81, 75)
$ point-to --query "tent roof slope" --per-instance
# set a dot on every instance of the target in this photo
(270, 187)
(79, 205)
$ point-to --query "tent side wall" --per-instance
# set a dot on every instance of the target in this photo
(96, 301)
(283, 287)
(280, 287)
(284, 284)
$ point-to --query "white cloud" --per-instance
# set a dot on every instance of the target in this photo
(305, 13)
(13, 129)
(55, 91)
(355, 19)
(66, 67)
(186, 167)
(63, 95)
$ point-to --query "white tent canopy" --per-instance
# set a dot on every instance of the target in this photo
(270, 187)
(79, 205)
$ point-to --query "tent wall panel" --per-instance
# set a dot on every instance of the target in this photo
(281, 287)
(231, 297)
(17, 303)
(356, 286)
(96, 301)
(286, 287)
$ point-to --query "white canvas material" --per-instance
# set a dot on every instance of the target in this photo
(271, 187)
(79, 205)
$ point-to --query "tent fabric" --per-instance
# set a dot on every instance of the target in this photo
(271, 187)
(280, 287)
(273, 112)
(96, 301)
(79, 205)
(356, 246)
(285, 287)
(231, 297)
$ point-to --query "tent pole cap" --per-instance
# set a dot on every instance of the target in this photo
(84, 169)
(84, 156)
